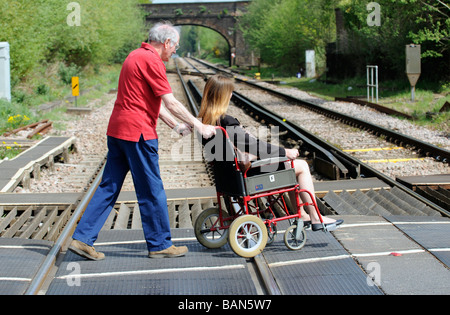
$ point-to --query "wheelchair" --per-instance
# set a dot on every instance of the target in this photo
(250, 203)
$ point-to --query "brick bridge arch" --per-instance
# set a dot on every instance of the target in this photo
(221, 17)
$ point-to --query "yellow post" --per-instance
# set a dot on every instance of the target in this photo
(75, 88)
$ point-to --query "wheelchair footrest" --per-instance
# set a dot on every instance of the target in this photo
(331, 227)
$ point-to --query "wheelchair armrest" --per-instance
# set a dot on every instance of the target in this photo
(269, 161)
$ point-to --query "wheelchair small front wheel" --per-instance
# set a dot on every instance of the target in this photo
(293, 239)
(247, 236)
(208, 231)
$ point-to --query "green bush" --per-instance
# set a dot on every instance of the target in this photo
(14, 115)
(39, 31)
(67, 72)
(42, 89)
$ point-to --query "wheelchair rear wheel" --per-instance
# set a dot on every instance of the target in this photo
(293, 239)
(207, 220)
(247, 236)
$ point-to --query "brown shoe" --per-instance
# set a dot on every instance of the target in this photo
(85, 250)
(170, 252)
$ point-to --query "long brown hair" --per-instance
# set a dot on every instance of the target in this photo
(216, 97)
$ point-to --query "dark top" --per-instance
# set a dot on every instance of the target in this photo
(242, 140)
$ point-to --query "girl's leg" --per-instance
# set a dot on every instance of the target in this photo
(305, 181)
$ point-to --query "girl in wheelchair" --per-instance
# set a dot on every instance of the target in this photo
(216, 97)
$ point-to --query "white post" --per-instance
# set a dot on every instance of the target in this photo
(371, 82)
(310, 64)
(5, 72)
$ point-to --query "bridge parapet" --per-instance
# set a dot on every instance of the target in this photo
(222, 17)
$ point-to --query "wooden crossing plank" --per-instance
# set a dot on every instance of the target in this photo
(18, 224)
(47, 223)
(34, 223)
(59, 224)
(7, 219)
(122, 218)
(136, 220)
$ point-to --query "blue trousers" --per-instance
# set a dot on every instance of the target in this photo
(141, 158)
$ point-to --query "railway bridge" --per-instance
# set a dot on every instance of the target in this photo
(221, 17)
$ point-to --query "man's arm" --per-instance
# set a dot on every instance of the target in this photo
(167, 118)
(170, 121)
(179, 111)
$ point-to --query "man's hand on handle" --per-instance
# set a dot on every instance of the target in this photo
(208, 131)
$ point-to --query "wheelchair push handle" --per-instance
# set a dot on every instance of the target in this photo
(223, 130)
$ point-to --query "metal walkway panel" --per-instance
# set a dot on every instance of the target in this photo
(19, 261)
(13, 171)
(12, 199)
(128, 270)
(41, 149)
(433, 233)
(323, 187)
(322, 266)
(425, 180)
(393, 260)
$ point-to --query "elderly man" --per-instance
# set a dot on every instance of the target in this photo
(133, 146)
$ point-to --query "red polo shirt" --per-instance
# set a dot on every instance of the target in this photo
(142, 82)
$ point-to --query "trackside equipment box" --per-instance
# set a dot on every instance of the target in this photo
(5, 72)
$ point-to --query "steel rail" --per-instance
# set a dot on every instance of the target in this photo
(266, 275)
(192, 103)
(49, 262)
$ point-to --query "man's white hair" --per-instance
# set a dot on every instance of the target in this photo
(162, 31)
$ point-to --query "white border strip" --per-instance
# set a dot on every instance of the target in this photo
(422, 222)
(365, 224)
(393, 252)
(143, 241)
(148, 272)
(439, 250)
(392, 223)
(14, 279)
(24, 247)
(409, 251)
(307, 260)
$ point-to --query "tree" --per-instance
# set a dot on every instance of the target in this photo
(283, 30)
(403, 22)
(39, 31)
(433, 29)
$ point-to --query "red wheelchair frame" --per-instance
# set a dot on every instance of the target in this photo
(249, 223)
